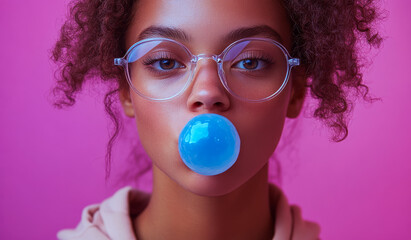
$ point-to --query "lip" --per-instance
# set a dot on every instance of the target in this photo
(182, 124)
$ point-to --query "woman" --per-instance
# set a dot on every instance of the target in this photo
(249, 61)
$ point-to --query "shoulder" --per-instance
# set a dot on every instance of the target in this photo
(90, 226)
(111, 219)
(303, 229)
(289, 223)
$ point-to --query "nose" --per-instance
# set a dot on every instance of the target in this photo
(207, 91)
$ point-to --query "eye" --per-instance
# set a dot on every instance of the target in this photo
(166, 64)
(250, 64)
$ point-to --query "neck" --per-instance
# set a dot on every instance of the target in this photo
(175, 213)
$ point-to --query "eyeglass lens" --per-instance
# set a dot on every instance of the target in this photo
(250, 69)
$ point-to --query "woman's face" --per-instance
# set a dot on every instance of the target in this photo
(207, 24)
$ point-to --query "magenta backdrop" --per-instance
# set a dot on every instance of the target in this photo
(52, 161)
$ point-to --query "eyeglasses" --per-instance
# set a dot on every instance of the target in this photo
(252, 69)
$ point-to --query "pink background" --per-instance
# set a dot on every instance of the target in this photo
(52, 161)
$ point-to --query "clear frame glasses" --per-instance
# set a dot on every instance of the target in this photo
(252, 69)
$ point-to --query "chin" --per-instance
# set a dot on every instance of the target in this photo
(221, 184)
(211, 186)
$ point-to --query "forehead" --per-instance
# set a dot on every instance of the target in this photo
(208, 23)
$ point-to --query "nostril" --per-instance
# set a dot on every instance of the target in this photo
(219, 104)
(198, 104)
(215, 106)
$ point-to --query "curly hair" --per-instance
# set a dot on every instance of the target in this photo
(326, 36)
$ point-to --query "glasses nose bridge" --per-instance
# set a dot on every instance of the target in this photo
(197, 58)
(216, 58)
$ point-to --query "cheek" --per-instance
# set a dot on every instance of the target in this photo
(261, 136)
(158, 125)
(262, 125)
(260, 130)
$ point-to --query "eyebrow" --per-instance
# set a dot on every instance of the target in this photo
(246, 32)
(166, 32)
(179, 34)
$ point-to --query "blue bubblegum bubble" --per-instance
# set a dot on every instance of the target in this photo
(209, 144)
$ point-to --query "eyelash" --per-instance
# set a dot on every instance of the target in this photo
(156, 58)
(262, 58)
(254, 56)
(152, 59)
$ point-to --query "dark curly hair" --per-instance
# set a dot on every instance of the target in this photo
(326, 34)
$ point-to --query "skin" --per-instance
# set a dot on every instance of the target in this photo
(184, 204)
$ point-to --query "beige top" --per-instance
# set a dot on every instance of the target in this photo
(112, 219)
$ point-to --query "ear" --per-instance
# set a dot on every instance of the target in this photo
(126, 102)
(297, 97)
